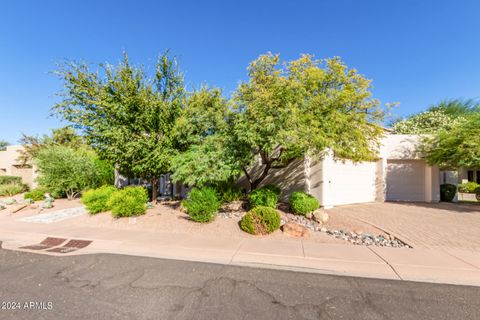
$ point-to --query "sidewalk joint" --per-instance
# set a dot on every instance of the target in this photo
(388, 263)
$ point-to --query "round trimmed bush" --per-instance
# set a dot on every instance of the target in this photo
(477, 193)
(260, 220)
(303, 203)
(37, 194)
(447, 192)
(468, 187)
(96, 199)
(265, 196)
(202, 204)
(128, 202)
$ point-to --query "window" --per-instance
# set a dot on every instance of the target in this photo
(478, 176)
(470, 175)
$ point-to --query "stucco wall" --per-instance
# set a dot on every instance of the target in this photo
(10, 166)
(291, 178)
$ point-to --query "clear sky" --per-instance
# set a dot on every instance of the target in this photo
(416, 52)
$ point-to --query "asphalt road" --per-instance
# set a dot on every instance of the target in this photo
(125, 287)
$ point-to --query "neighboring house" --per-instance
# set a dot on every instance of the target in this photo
(399, 175)
(11, 166)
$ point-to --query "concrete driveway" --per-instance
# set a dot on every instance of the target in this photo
(437, 225)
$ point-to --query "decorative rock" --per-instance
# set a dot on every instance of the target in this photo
(9, 201)
(47, 205)
(309, 215)
(150, 205)
(321, 216)
(294, 229)
(2, 207)
(233, 206)
(34, 206)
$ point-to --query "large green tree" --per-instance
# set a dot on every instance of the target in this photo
(127, 115)
(284, 111)
(445, 115)
(457, 147)
(306, 106)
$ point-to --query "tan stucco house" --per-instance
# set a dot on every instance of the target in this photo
(11, 166)
(398, 175)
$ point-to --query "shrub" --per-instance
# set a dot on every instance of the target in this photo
(303, 203)
(272, 187)
(447, 192)
(477, 193)
(265, 196)
(202, 204)
(12, 188)
(260, 220)
(96, 199)
(10, 179)
(468, 187)
(36, 194)
(230, 194)
(127, 202)
(65, 171)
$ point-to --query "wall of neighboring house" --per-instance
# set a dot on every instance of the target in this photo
(10, 166)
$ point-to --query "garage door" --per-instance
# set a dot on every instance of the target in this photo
(405, 180)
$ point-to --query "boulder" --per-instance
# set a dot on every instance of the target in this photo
(294, 229)
(321, 216)
(232, 206)
(309, 215)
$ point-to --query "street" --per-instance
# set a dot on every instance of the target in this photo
(108, 286)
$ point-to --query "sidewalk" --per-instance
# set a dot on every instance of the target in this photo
(454, 266)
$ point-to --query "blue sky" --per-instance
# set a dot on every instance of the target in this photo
(416, 52)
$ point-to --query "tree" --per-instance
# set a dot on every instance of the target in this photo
(65, 171)
(445, 115)
(304, 107)
(456, 147)
(127, 116)
(203, 131)
(3, 144)
(65, 136)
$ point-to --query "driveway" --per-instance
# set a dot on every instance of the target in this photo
(436, 225)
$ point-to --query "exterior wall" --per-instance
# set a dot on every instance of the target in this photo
(402, 152)
(10, 166)
(290, 179)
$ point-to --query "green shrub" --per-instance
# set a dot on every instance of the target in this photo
(230, 194)
(265, 196)
(260, 220)
(272, 187)
(10, 179)
(12, 188)
(36, 194)
(202, 204)
(447, 192)
(477, 193)
(468, 187)
(127, 202)
(96, 199)
(303, 203)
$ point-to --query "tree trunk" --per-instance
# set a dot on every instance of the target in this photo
(254, 184)
(154, 189)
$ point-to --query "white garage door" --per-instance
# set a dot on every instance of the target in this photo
(405, 180)
(351, 182)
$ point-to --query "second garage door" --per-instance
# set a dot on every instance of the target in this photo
(405, 180)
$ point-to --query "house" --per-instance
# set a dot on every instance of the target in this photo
(398, 175)
(11, 166)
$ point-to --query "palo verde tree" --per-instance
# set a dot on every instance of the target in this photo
(304, 107)
(126, 115)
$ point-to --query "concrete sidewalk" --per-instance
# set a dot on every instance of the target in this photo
(428, 265)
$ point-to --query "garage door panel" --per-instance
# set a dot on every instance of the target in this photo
(405, 180)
